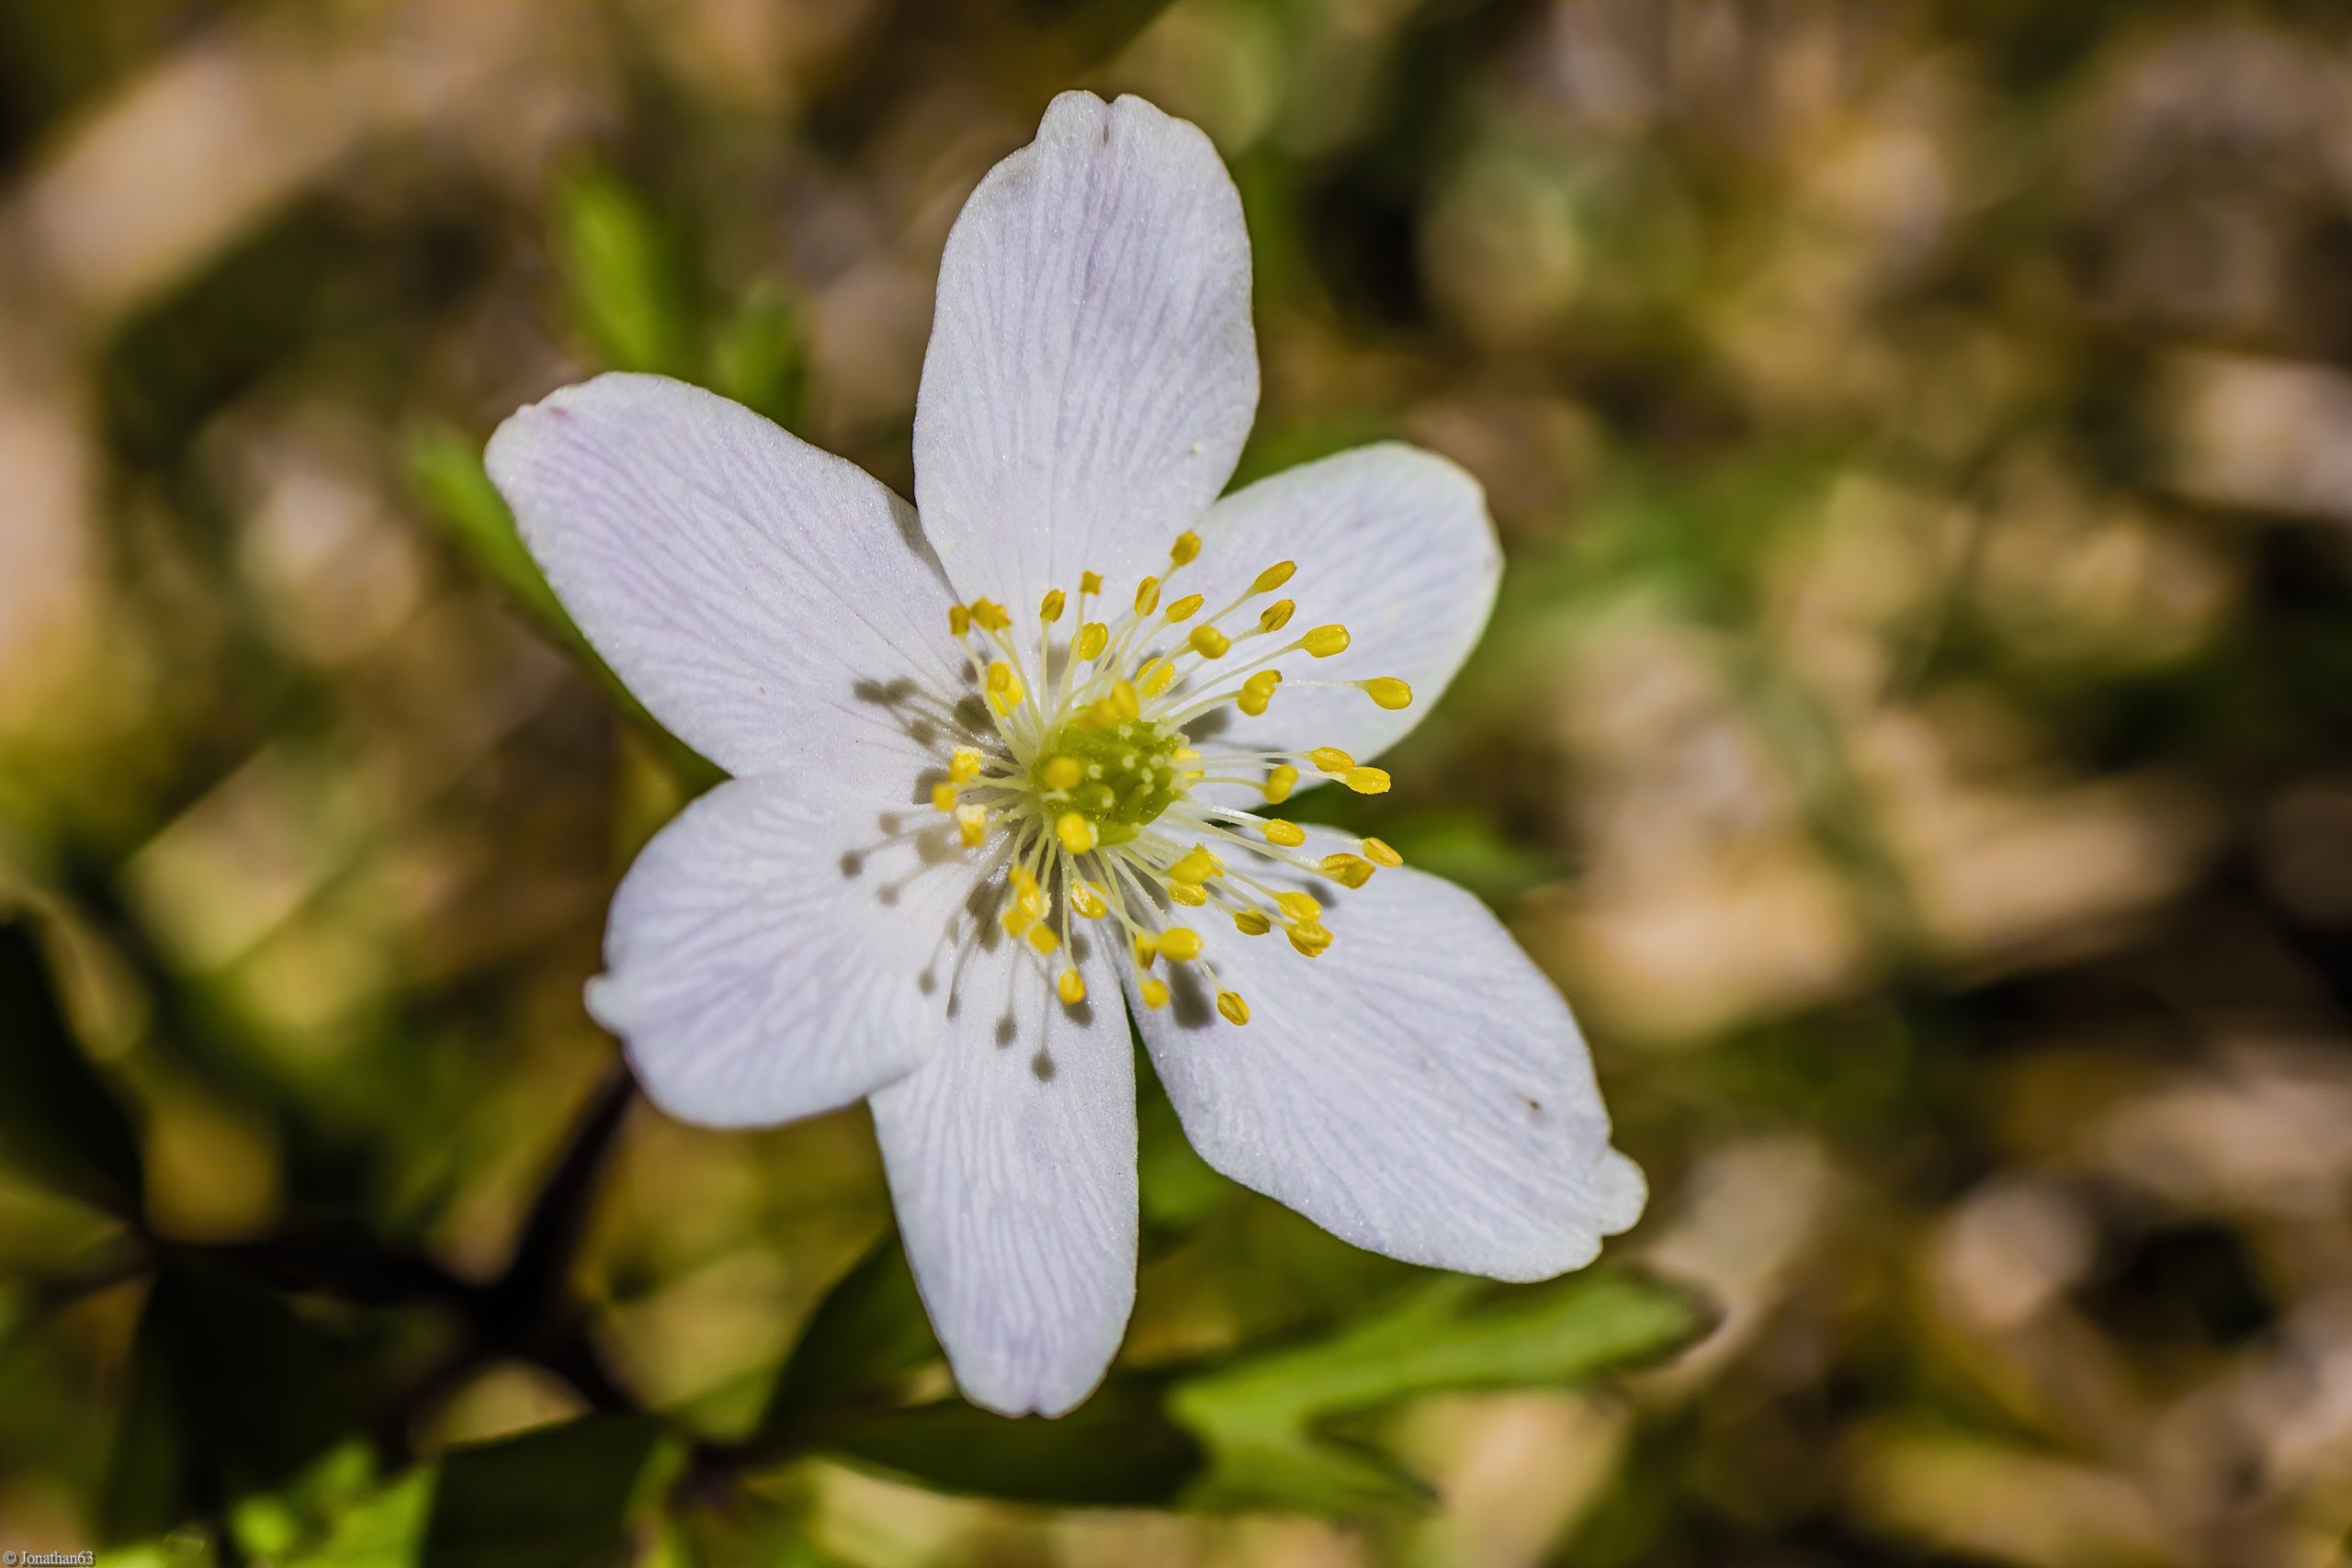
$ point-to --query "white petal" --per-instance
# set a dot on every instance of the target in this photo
(1012, 1160)
(780, 949)
(1419, 1090)
(1091, 372)
(1393, 542)
(763, 599)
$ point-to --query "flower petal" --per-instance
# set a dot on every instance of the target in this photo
(1392, 542)
(772, 604)
(779, 950)
(1419, 1090)
(1012, 1160)
(1092, 372)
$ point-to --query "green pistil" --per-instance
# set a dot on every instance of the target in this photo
(1128, 774)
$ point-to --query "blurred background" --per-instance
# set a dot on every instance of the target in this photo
(1916, 734)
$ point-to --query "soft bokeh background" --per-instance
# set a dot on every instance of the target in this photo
(1916, 734)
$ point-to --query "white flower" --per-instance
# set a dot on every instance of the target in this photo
(995, 770)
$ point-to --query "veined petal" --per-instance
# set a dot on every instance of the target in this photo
(781, 949)
(773, 605)
(1393, 542)
(1092, 372)
(1419, 1090)
(1012, 1160)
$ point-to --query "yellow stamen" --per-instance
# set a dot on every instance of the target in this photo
(1181, 943)
(1050, 609)
(1155, 993)
(1299, 906)
(964, 764)
(1157, 676)
(1273, 577)
(1325, 641)
(1086, 901)
(1209, 642)
(1279, 784)
(959, 620)
(1042, 938)
(1076, 833)
(1184, 609)
(1289, 835)
(1092, 637)
(971, 825)
(991, 615)
(1146, 947)
(1257, 691)
(1146, 596)
(1388, 692)
(1186, 549)
(1071, 987)
(1310, 939)
(1347, 870)
(1064, 772)
(1190, 894)
(1251, 922)
(1017, 920)
(1090, 583)
(1378, 851)
(1365, 781)
(943, 797)
(1330, 760)
(1005, 690)
(1236, 1010)
(1276, 615)
(1196, 865)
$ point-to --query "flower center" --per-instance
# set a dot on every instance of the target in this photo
(1084, 797)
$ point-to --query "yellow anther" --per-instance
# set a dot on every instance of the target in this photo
(959, 620)
(1196, 865)
(1276, 615)
(1070, 988)
(1184, 609)
(1300, 907)
(1388, 692)
(1236, 1010)
(964, 764)
(1183, 753)
(971, 824)
(1049, 609)
(1273, 577)
(1310, 939)
(1146, 596)
(1279, 784)
(943, 797)
(1209, 642)
(1325, 641)
(1090, 583)
(1289, 835)
(1157, 676)
(1251, 922)
(1123, 698)
(1347, 870)
(1042, 938)
(1064, 772)
(1330, 759)
(1076, 833)
(1186, 549)
(1188, 893)
(1004, 687)
(1146, 947)
(1017, 920)
(1365, 781)
(1378, 851)
(1155, 993)
(1257, 691)
(1086, 901)
(1092, 637)
(1100, 713)
(991, 615)
(1181, 943)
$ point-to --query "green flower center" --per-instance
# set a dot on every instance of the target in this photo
(1118, 778)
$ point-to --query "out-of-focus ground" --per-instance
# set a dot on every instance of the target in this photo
(1916, 732)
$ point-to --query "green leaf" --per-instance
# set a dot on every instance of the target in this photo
(1118, 1449)
(1264, 1420)
(761, 357)
(559, 1496)
(863, 1339)
(446, 469)
(628, 290)
(61, 1125)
